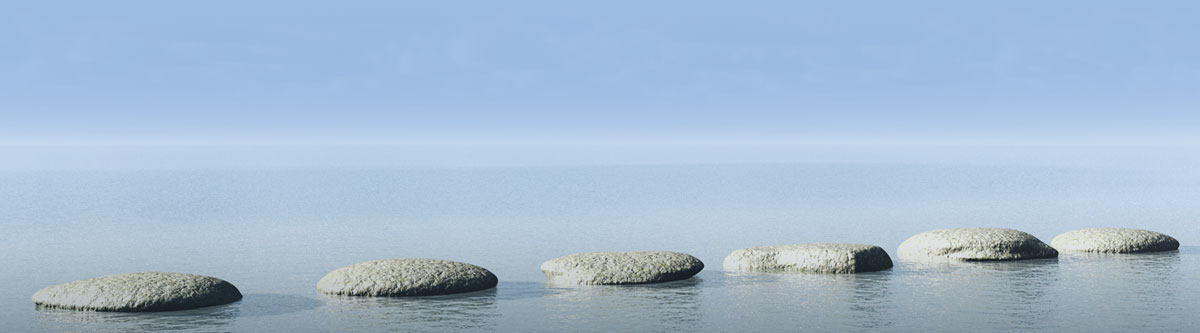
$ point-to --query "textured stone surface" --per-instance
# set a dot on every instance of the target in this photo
(598, 268)
(406, 277)
(1114, 240)
(816, 258)
(975, 244)
(134, 292)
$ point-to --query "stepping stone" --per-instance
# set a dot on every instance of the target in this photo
(139, 292)
(1114, 240)
(406, 277)
(814, 258)
(975, 244)
(603, 268)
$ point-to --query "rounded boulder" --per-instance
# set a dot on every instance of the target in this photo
(975, 244)
(1114, 240)
(139, 292)
(814, 258)
(406, 277)
(607, 268)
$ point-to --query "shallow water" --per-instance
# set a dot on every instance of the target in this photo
(275, 232)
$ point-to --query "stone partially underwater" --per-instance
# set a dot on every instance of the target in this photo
(139, 292)
(406, 277)
(975, 244)
(608, 268)
(814, 258)
(1113, 240)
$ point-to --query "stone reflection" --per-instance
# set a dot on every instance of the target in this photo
(812, 301)
(1018, 290)
(872, 299)
(999, 293)
(655, 307)
(457, 312)
(1131, 285)
(209, 318)
(261, 305)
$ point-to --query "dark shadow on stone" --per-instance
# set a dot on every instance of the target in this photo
(1189, 250)
(691, 281)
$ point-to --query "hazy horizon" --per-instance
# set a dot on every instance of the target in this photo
(47, 157)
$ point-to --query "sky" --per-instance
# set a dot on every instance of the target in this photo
(236, 72)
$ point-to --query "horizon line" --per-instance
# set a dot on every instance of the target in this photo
(1050, 143)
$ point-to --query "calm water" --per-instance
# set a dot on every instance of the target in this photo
(274, 232)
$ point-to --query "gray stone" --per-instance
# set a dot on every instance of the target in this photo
(815, 258)
(975, 244)
(137, 292)
(602, 268)
(406, 277)
(1113, 240)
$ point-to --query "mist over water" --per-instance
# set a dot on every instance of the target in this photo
(273, 221)
(40, 157)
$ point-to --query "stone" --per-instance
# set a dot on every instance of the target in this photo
(139, 292)
(975, 244)
(1114, 240)
(813, 258)
(406, 277)
(605, 268)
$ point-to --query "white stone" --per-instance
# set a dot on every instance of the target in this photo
(136, 292)
(815, 258)
(1113, 240)
(975, 244)
(406, 277)
(603, 268)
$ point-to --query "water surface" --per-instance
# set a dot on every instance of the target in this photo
(274, 232)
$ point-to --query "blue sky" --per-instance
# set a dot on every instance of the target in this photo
(628, 72)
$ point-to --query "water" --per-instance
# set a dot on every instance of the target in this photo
(273, 232)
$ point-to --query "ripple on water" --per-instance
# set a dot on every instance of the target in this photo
(474, 311)
(656, 307)
(810, 301)
(213, 318)
(1146, 286)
